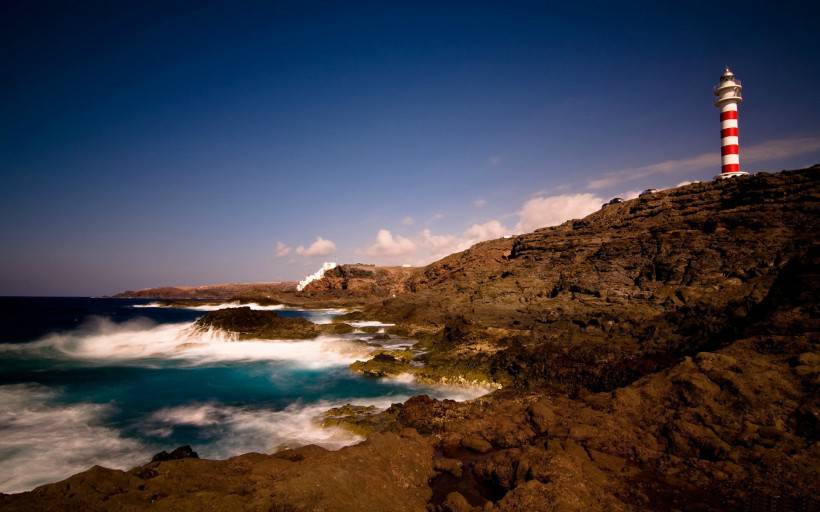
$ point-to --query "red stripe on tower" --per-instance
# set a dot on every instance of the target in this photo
(730, 149)
(727, 99)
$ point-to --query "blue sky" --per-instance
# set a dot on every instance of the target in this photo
(146, 144)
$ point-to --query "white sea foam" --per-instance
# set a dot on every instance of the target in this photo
(143, 342)
(317, 316)
(43, 442)
(458, 392)
(213, 307)
(328, 265)
(370, 323)
(245, 429)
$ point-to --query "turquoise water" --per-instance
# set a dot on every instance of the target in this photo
(111, 382)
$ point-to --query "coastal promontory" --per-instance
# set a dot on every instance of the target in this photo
(659, 354)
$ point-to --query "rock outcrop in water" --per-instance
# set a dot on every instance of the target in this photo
(250, 324)
(660, 354)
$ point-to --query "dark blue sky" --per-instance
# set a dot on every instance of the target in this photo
(144, 144)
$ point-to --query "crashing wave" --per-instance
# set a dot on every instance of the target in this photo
(143, 343)
(213, 307)
(328, 265)
(44, 440)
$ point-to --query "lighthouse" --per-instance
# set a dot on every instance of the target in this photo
(727, 98)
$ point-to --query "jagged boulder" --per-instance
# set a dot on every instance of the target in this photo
(246, 323)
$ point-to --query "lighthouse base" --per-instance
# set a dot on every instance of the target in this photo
(727, 175)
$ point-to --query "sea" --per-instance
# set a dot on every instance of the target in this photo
(111, 382)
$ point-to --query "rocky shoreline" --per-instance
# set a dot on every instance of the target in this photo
(660, 354)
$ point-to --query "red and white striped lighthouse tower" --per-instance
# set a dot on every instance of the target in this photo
(727, 93)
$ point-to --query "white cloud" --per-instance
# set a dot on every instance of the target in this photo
(479, 203)
(629, 194)
(540, 212)
(433, 247)
(487, 231)
(669, 166)
(438, 216)
(387, 244)
(779, 148)
(408, 221)
(426, 247)
(321, 247)
(427, 238)
(763, 152)
(282, 250)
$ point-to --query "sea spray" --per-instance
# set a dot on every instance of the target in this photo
(212, 307)
(143, 342)
(42, 441)
(328, 265)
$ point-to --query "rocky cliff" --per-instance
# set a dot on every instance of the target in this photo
(660, 354)
(600, 301)
(360, 280)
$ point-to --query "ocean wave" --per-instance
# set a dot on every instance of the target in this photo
(317, 316)
(141, 341)
(370, 323)
(42, 442)
(238, 430)
(213, 307)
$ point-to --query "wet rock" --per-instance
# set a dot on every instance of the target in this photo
(336, 328)
(385, 363)
(359, 419)
(247, 323)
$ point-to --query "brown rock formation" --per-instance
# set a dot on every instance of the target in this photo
(247, 323)
(629, 290)
(360, 280)
(387, 472)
